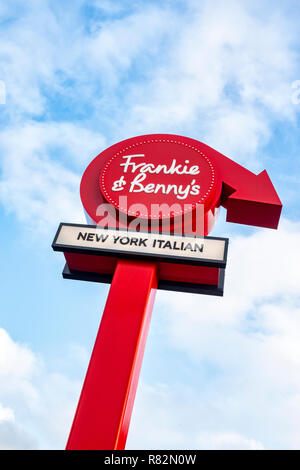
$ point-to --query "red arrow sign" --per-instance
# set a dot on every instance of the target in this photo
(249, 199)
(202, 175)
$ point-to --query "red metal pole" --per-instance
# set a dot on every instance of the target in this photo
(104, 409)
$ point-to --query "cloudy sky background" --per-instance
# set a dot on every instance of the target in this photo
(217, 373)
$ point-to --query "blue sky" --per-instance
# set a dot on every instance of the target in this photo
(217, 373)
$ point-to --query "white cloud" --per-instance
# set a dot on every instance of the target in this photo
(168, 417)
(227, 441)
(26, 56)
(218, 71)
(40, 178)
(16, 370)
(15, 360)
(36, 406)
(122, 44)
(109, 7)
(225, 78)
(6, 414)
(154, 425)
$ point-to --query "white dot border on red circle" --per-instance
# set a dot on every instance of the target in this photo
(123, 209)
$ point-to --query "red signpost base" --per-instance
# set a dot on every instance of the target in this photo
(103, 414)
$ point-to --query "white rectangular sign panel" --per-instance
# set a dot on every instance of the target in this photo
(131, 244)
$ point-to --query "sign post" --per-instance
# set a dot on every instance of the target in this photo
(104, 409)
(151, 202)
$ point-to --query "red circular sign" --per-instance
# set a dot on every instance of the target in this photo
(139, 175)
(151, 172)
